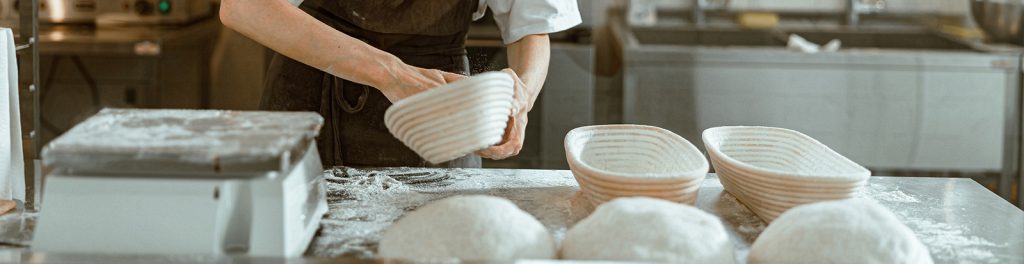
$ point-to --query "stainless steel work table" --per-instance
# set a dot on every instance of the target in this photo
(958, 219)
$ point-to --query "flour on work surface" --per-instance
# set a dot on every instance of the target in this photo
(191, 137)
(944, 241)
(893, 194)
(951, 242)
(364, 203)
(734, 213)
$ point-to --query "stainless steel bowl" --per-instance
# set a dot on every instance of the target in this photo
(1002, 20)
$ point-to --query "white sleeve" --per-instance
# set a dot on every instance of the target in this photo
(516, 19)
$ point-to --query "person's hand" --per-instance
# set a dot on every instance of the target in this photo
(408, 80)
(515, 131)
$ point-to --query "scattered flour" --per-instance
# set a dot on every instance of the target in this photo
(183, 139)
(363, 204)
(945, 241)
(893, 195)
(950, 242)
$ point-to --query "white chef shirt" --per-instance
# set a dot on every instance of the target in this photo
(519, 18)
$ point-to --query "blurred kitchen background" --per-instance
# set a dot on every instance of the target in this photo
(917, 88)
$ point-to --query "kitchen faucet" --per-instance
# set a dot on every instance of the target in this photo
(700, 6)
(855, 8)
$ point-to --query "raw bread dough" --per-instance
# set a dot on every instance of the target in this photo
(648, 229)
(844, 231)
(469, 228)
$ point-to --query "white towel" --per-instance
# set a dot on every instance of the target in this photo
(800, 44)
(12, 162)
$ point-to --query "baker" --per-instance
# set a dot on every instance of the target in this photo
(350, 60)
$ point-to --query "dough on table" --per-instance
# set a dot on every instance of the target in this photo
(648, 229)
(844, 231)
(473, 227)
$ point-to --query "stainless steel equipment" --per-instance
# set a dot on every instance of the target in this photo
(1000, 19)
(896, 98)
(73, 11)
(156, 12)
(119, 11)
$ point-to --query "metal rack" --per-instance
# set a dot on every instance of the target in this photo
(28, 44)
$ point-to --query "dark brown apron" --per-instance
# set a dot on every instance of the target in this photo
(426, 34)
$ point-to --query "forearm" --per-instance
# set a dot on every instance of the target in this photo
(293, 33)
(529, 58)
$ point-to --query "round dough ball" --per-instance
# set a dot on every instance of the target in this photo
(468, 228)
(844, 231)
(648, 229)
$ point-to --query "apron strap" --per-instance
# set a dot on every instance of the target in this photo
(338, 84)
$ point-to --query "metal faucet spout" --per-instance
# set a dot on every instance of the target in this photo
(700, 7)
(856, 8)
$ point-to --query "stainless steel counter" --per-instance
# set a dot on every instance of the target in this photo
(122, 40)
(892, 72)
(958, 219)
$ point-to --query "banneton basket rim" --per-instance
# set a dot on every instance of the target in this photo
(774, 183)
(457, 85)
(859, 174)
(456, 89)
(574, 158)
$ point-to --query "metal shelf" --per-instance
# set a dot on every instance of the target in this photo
(27, 45)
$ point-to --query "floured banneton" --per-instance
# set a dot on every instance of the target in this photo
(773, 169)
(634, 152)
(196, 141)
(611, 161)
(453, 120)
(778, 153)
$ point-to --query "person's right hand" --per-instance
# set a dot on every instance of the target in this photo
(406, 80)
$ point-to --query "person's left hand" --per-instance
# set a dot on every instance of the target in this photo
(515, 131)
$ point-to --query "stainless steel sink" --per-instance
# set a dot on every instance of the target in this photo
(875, 31)
(896, 97)
(851, 38)
(909, 39)
(708, 37)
